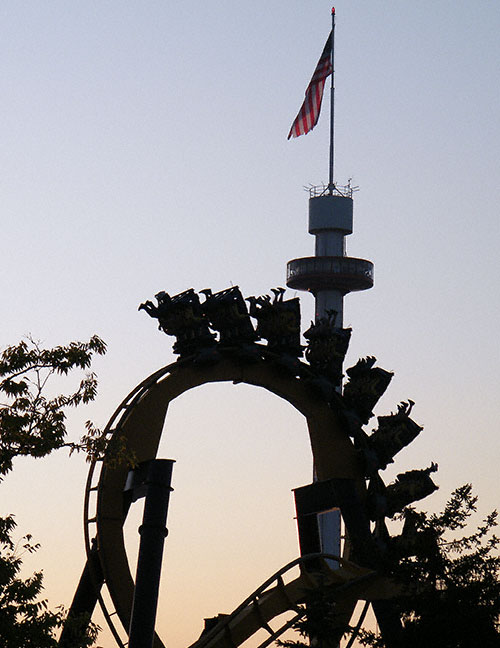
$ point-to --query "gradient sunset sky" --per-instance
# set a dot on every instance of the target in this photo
(144, 149)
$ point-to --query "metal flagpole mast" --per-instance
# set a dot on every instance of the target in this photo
(332, 107)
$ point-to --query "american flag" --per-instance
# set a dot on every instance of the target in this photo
(308, 115)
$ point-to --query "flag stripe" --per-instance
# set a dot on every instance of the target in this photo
(308, 114)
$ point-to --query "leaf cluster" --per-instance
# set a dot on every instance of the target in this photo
(25, 620)
(34, 424)
(31, 423)
(318, 623)
(451, 585)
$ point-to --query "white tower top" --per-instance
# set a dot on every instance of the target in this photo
(330, 273)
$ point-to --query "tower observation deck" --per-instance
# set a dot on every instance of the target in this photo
(330, 274)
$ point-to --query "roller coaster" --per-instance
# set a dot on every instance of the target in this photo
(345, 457)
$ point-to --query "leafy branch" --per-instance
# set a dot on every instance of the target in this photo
(31, 423)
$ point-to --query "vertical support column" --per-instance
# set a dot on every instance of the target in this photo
(330, 300)
(329, 523)
(153, 532)
(84, 601)
(330, 221)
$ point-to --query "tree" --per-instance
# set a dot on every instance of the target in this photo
(32, 424)
(450, 586)
(25, 620)
(318, 623)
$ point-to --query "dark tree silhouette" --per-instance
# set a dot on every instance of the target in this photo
(32, 424)
(449, 581)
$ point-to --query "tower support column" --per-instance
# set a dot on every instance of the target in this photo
(328, 300)
(329, 276)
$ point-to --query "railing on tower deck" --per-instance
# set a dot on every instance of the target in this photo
(345, 191)
(316, 273)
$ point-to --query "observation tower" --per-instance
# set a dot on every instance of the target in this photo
(330, 274)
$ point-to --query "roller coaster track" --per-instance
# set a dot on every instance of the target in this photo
(274, 597)
(139, 420)
(90, 517)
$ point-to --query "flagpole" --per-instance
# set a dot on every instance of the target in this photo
(332, 108)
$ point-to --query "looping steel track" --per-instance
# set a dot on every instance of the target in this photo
(139, 421)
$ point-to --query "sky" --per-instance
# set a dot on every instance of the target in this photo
(144, 149)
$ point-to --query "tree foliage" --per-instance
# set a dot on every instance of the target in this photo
(25, 620)
(34, 424)
(451, 585)
(318, 621)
